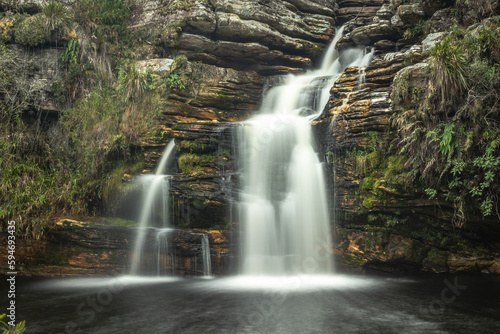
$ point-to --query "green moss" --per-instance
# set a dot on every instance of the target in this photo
(190, 163)
(368, 202)
(112, 184)
(115, 221)
(373, 159)
(196, 146)
(367, 183)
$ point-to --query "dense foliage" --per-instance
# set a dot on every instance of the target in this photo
(69, 167)
(451, 141)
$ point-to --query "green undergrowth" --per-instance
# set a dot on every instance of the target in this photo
(449, 136)
(381, 171)
(191, 163)
(74, 166)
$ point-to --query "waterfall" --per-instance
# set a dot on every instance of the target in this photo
(155, 206)
(162, 251)
(284, 207)
(207, 261)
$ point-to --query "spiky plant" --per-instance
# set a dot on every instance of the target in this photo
(56, 15)
(449, 61)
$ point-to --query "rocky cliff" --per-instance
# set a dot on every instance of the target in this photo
(384, 221)
(212, 61)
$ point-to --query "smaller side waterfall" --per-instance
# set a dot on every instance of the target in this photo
(207, 261)
(155, 208)
(162, 260)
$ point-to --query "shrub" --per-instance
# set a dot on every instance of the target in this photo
(6, 25)
(450, 138)
(31, 31)
(56, 15)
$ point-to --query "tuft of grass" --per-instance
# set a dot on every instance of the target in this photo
(56, 15)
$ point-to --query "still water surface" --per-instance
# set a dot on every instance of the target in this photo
(293, 304)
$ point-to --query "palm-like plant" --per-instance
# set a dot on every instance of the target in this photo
(56, 14)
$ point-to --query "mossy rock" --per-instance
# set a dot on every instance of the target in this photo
(190, 163)
(197, 146)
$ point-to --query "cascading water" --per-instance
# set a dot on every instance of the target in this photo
(155, 207)
(162, 252)
(207, 262)
(284, 208)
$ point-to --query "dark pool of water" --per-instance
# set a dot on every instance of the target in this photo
(295, 304)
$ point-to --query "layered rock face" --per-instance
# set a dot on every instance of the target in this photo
(267, 36)
(382, 222)
(74, 248)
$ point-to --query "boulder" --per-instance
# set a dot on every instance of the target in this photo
(385, 12)
(441, 20)
(411, 14)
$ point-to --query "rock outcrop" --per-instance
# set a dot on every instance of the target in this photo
(74, 248)
(382, 222)
(35, 76)
(266, 36)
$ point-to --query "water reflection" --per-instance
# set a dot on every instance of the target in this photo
(315, 304)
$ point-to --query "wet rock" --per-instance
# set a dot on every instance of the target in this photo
(316, 23)
(397, 22)
(73, 248)
(223, 93)
(384, 45)
(154, 65)
(459, 263)
(495, 266)
(413, 54)
(324, 7)
(409, 81)
(436, 261)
